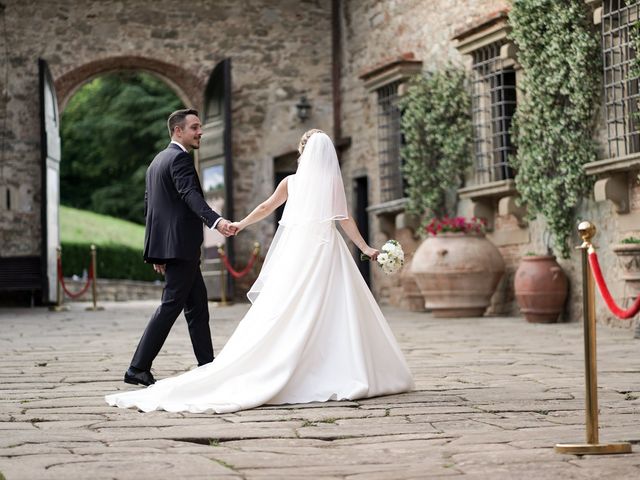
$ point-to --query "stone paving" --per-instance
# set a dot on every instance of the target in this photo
(493, 395)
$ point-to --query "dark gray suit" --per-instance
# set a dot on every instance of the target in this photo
(175, 210)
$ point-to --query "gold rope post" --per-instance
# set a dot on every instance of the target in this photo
(94, 280)
(59, 306)
(223, 289)
(592, 446)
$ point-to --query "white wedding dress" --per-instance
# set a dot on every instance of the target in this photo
(314, 331)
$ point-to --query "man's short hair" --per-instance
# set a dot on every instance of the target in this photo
(178, 118)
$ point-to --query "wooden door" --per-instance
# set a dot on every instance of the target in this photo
(216, 173)
(50, 154)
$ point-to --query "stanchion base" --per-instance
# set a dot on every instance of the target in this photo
(94, 309)
(59, 308)
(221, 304)
(593, 448)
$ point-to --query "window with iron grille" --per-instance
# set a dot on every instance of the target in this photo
(389, 142)
(620, 87)
(493, 103)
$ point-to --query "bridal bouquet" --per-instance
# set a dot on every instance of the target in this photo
(391, 257)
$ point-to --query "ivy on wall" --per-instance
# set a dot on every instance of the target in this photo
(559, 50)
(436, 123)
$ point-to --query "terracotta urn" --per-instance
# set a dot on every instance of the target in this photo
(457, 273)
(541, 288)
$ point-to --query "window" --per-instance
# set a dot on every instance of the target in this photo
(387, 81)
(493, 101)
(620, 89)
(389, 142)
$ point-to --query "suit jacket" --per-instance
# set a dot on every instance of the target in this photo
(174, 208)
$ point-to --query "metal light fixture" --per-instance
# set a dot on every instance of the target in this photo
(304, 108)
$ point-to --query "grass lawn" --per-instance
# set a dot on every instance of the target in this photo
(82, 226)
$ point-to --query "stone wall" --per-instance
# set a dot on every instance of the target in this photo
(279, 50)
(115, 290)
(375, 32)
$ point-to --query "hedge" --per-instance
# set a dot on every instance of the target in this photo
(114, 261)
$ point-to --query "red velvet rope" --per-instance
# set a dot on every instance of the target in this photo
(64, 287)
(606, 295)
(234, 273)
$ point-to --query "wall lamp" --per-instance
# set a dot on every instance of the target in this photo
(304, 108)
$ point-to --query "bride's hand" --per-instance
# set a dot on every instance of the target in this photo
(372, 253)
(238, 226)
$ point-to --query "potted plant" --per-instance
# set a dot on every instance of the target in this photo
(541, 288)
(457, 268)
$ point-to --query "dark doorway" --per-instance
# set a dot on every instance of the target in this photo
(361, 193)
(283, 166)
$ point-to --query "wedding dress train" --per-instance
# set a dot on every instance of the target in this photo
(313, 333)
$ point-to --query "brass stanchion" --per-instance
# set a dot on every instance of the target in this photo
(592, 446)
(59, 306)
(223, 286)
(94, 280)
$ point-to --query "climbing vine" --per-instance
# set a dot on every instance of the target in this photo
(436, 124)
(559, 51)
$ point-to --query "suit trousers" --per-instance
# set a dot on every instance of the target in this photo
(184, 290)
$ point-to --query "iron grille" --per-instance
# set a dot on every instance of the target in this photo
(620, 88)
(389, 141)
(493, 101)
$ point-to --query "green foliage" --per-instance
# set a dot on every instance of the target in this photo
(119, 245)
(111, 130)
(634, 37)
(436, 123)
(634, 66)
(81, 226)
(630, 240)
(113, 261)
(559, 51)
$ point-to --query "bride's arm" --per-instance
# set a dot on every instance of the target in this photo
(266, 208)
(351, 229)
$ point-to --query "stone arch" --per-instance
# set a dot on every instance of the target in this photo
(188, 87)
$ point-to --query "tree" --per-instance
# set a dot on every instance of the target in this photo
(111, 130)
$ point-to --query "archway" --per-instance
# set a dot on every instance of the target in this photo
(55, 95)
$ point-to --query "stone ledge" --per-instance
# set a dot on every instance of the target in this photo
(116, 290)
(500, 188)
(391, 70)
(613, 179)
(613, 165)
(393, 206)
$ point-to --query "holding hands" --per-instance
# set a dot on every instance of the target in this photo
(239, 226)
(226, 228)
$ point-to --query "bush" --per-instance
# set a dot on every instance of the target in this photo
(114, 261)
(436, 123)
(559, 50)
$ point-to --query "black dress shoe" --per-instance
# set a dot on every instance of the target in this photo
(139, 378)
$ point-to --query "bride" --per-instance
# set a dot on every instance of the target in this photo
(314, 331)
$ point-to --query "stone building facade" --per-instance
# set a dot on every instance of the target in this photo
(349, 58)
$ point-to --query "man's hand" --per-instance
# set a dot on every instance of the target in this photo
(226, 228)
(160, 268)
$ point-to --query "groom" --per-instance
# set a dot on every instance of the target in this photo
(175, 210)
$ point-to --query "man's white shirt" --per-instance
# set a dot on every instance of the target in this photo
(213, 227)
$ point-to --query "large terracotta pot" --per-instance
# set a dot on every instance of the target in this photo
(541, 288)
(457, 273)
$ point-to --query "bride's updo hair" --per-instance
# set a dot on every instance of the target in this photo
(305, 138)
